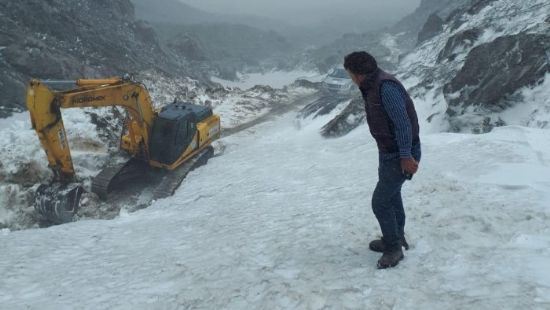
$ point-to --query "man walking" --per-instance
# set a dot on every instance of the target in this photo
(393, 123)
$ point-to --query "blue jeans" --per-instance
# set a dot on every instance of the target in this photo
(387, 203)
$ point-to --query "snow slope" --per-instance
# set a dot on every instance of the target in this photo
(282, 221)
(275, 79)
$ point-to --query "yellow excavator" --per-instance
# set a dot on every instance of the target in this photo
(175, 139)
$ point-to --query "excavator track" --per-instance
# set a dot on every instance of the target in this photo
(115, 175)
(172, 180)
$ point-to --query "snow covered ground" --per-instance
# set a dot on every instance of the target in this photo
(239, 108)
(282, 221)
(275, 79)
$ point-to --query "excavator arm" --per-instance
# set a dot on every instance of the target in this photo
(58, 201)
(45, 103)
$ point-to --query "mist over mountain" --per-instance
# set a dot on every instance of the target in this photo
(220, 44)
(388, 43)
(413, 22)
(76, 39)
(181, 13)
(222, 50)
(303, 23)
(346, 15)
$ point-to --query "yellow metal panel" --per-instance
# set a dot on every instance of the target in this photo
(207, 131)
(95, 82)
(45, 106)
(46, 120)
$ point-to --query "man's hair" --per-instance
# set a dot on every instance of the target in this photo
(361, 63)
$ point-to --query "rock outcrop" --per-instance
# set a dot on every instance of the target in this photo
(486, 65)
(459, 43)
(431, 28)
(62, 39)
(495, 70)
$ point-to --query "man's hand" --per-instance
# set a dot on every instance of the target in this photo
(409, 166)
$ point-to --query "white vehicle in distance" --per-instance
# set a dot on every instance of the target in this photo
(338, 81)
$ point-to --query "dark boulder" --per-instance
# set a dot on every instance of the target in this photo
(323, 105)
(458, 43)
(350, 118)
(431, 28)
(307, 84)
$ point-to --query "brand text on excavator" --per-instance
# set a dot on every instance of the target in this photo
(87, 99)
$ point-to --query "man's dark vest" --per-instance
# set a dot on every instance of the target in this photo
(380, 124)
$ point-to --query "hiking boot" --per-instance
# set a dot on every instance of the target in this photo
(390, 258)
(380, 246)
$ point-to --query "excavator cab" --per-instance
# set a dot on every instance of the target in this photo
(174, 130)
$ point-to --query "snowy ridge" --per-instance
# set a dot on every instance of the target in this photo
(288, 228)
(426, 74)
(510, 85)
(503, 17)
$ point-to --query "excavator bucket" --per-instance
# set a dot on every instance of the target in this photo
(57, 202)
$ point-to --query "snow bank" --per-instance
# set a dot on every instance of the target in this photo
(282, 220)
(534, 111)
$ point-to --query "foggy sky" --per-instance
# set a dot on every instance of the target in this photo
(311, 12)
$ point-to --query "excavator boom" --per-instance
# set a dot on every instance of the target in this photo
(45, 104)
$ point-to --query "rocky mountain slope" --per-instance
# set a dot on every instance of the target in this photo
(414, 26)
(486, 66)
(62, 39)
(381, 44)
(487, 60)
